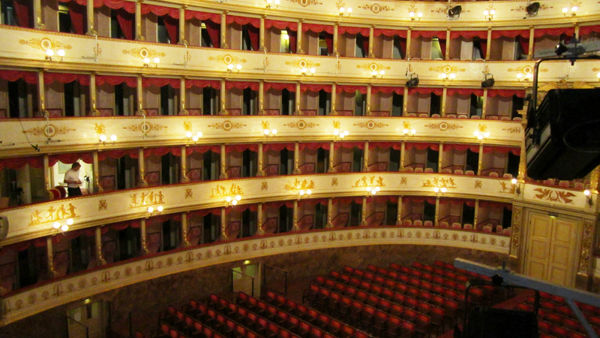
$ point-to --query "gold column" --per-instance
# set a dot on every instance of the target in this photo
(223, 162)
(531, 43)
(140, 95)
(298, 98)
(90, 18)
(138, 21)
(261, 97)
(260, 219)
(42, 93)
(333, 99)
(331, 157)
(299, 38)
(37, 14)
(402, 150)
(261, 161)
(371, 37)
(484, 103)
(261, 34)
(440, 155)
(224, 30)
(184, 178)
(224, 234)
(366, 157)
(488, 47)
(475, 214)
(96, 171)
(576, 30)
(408, 42)
(335, 40)
(368, 100)
(143, 236)
(399, 213)
(444, 95)
(295, 216)
(448, 42)
(182, 40)
(94, 111)
(363, 214)
(99, 254)
(142, 168)
(480, 159)
(182, 89)
(50, 254)
(184, 229)
(223, 98)
(46, 164)
(405, 101)
(296, 158)
(329, 213)
(437, 212)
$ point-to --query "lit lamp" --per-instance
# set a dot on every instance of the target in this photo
(345, 11)
(413, 15)
(307, 70)
(154, 209)
(407, 130)
(231, 201)
(570, 10)
(271, 3)
(270, 132)
(373, 190)
(377, 74)
(231, 67)
(588, 195)
(103, 138)
(194, 137)
(148, 62)
(438, 190)
(50, 53)
(514, 183)
(488, 14)
(62, 227)
(481, 132)
(340, 133)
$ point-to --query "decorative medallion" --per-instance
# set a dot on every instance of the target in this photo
(100, 128)
(221, 191)
(227, 125)
(188, 193)
(365, 181)
(146, 198)
(440, 182)
(102, 205)
(228, 59)
(554, 195)
(373, 66)
(53, 214)
(145, 127)
(305, 3)
(443, 126)
(301, 124)
(143, 53)
(49, 130)
(376, 8)
(371, 124)
(44, 43)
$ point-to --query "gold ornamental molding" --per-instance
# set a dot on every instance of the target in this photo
(373, 66)
(522, 8)
(305, 184)
(102, 205)
(551, 195)
(369, 181)
(189, 193)
(145, 127)
(221, 191)
(228, 59)
(447, 69)
(227, 125)
(513, 130)
(306, 3)
(439, 182)
(301, 124)
(376, 8)
(443, 126)
(49, 130)
(478, 184)
(302, 63)
(143, 52)
(99, 128)
(146, 198)
(506, 187)
(587, 242)
(371, 124)
(52, 214)
(44, 43)
(515, 241)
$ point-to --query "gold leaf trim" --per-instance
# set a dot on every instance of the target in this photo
(143, 52)
(221, 191)
(44, 43)
(301, 124)
(49, 130)
(551, 195)
(371, 124)
(306, 3)
(376, 8)
(371, 181)
(440, 182)
(145, 127)
(53, 214)
(227, 125)
(443, 126)
(300, 185)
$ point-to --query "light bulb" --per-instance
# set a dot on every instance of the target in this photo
(411, 14)
(228, 199)
(188, 134)
(159, 208)
(381, 72)
(342, 9)
(420, 14)
(336, 132)
(303, 70)
(238, 67)
(274, 131)
(230, 66)
(452, 76)
(195, 138)
(377, 188)
(60, 52)
(574, 9)
(436, 189)
(492, 11)
(312, 70)
(266, 131)
(587, 192)
(113, 137)
(345, 132)
(199, 134)
(486, 134)
(444, 189)
(565, 9)
(513, 181)
(368, 188)
(404, 131)
(70, 221)
(146, 60)
(301, 192)
(56, 225)
(308, 192)
(102, 138)
(598, 75)
(486, 12)
(349, 10)
(49, 52)
(413, 131)
(238, 197)
(156, 60)
(150, 209)
(64, 228)
(373, 192)
(234, 202)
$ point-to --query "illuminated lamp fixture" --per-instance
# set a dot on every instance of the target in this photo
(588, 195)
(407, 130)
(151, 62)
(533, 8)
(345, 10)
(154, 209)
(267, 130)
(50, 54)
(377, 74)
(447, 76)
(271, 3)
(307, 70)
(598, 76)
(302, 188)
(454, 12)
(438, 190)
(413, 81)
(515, 185)
(413, 14)
(488, 81)
(233, 200)
(340, 133)
(194, 137)
(488, 14)
(570, 10)
(481, 132)
(234, 68)
(103, 138)
(62, 227)
(373, 190)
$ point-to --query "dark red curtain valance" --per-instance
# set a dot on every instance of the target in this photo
(468, 34)
(316, 28)
(281, 24)
(16, 163)
(540, 32)
(115, 154)
(241, 85)
(189, 83)
(418, 199)
(291, 87)
(441, 35)
(426, 91)
(502, 150)
(353, 30)
(69, 158)
(15, 75)
(461, 147)
(277, 205)
(241, 208)
(160, 11)
(422, 146)
(524, 33)
(385, 199)
(241, 20)
(315, 87)
(389, 32)
(314, 146)
(203, 16)
(24, 12)
(160, 82)
(83, 79)
(351, 89)
(464, 91)
(387, 90)
(203, 149)
(586, 30)
(349, 145)
(348, 200)
(383, 145)
(506, 92)
(116, 80)
(495, 205)
(128, 6)
(278, 146)
(312, 202)
(241, 147)
(124, 225)
(456, 201)
(162, 151)
(205, 212)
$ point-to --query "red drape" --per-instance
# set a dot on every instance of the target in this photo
(347, 200)
(291, 87)
(329, 42)
(203, 16)
(587, 30)
(293, 40)
(241, 208)
(189, 83)
(422, 146)
(501, 150)
(464, 91)
(510, 33)
(116, 80)
(524, 44)
(16, 163)
(351, 89)
(160, 11)
(77, 13)
(540, 32)
(24, 12)
(203, 149)
(14, 75)
(172, 27)
(128, 6)
(506, 92)
(253, 33)
(83, 79)
(204, 212)
(241, 85)
(353, 31)
(382, 145)
(387, 90)
(316, 28)
(125, 225)
(241, 147)
(313, 202)
(114, 154)
(461, 147)
(425, 91)
(469, 35)
(389, 32)
(214, 32)
(160, 82)
(470, 203)
(419, 199)
(241, 20)
(385, 199)
(429, 34)
(314, 146)
(69, 158)
(277, 205)
(281, 24)
(162, 151)
(125, 20)
(442, 46)
(278, 146)
(315, 87)
(403, 47)
(349, 145)
(483, 45)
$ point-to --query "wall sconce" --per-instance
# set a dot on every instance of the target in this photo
(62, 227)
(154, 209)
(151, 62)
(515, 185)
(570, 10)
(598, 76)
(233, 200)
(231, 67)
(413, 14)
(103, 138)
(301, 187)
(345, 11)
(588, 195)
(447, 76)
(481, 132)
(192, 136)
(373, 190)
(270, 132)
(407, 130)
(271, 3)
(340, 133)
(377, 74)
(438, 190)
(307, 71)
(525, 76)
(488, 14)
(50, 53)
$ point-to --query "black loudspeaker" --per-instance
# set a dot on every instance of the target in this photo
(500, 323)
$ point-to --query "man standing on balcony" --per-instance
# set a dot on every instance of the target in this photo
(73, 181)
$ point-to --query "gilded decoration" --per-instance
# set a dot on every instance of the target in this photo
(189, 193)
(554, 195)
(102, 205)
(264, 186)
(53, 214)
(220, 191)
(306, 3)
(301, 124)
(373, 67)
(376, 8)
(371, 124)
(403, 180)
(372, 181)
(334, 181)
(187, 125)
(586, 248)
(49, 130)
(227, 125)
(303, 63)
(145, 127)
(444, 10)
(507, 187)
(44, 43)
(478, 184)
(146, 198)
(143, 52)
(447, 69)
(440, 182)
(515, 241)
(522, 9)
(228, 59)
(304, 184)
(527, 69)
(100, 128)
(512, 130)
(443, 126)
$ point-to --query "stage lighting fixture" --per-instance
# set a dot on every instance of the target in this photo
(533, 8)
(561, 48)
(412, 82)
(488, 81)
(454, 11)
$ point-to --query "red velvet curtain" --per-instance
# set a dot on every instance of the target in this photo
(353, 30)
(351, 89)
(483, 45)
(316, 28)
(313, 202)
(502, 150)
(16, 163)
(126, 20)
(419, 199)
(315, 87)
(383, 145)
(204, 212)
(506, 92)
(347, 200)
(203, 16)
(160, 82)
(461, 147)
(524, 44)
(128, 6)
(387, 90)
(69, 158)
(277, 205)
(329, 42)
(314, 146)
(83, 79)
(293, 40)
(540, 32)
(203, 149)
(426, 91)
(15, 75)
(510, 33)
(115, 154)
(214, 32)
(160, 10)
(116, 80)
(162, 151)
(253, 33)
(241, 85)
(587, 30)
(172, 27)
(241, 20)
(291, 87)
(390, 33)
(278, 147)
(422, 146)
(24, 12)
(241, 147)
(385, 199)
(464, 91)
(78, 14)
(468, 35)
(349, 145)
(202, 83)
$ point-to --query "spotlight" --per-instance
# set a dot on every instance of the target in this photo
(488, 81)
(454, 11)
(533, 8)
(412, 82)
(561, 48)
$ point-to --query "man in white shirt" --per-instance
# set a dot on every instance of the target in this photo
(73, 181)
